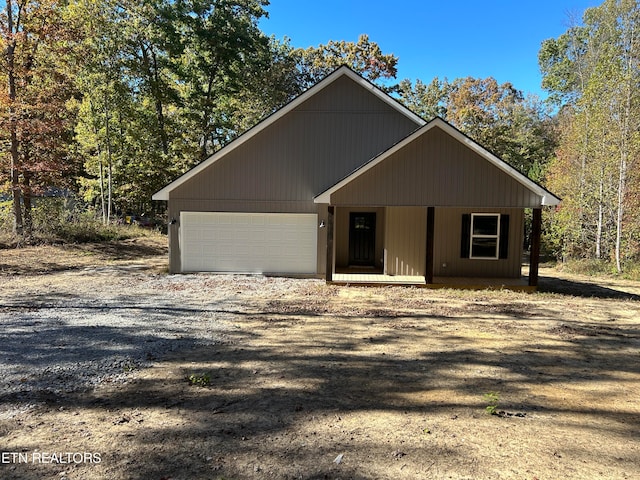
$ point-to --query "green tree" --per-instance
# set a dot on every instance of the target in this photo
(427, 100)
(162, 88)
(150, 148)
(278, 83)
(224, 50)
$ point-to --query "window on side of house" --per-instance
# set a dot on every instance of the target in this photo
(485, 236)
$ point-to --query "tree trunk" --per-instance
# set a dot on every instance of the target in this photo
(622, 184)
(103, 203)
(18, 226)
(600, 217)
(157, 93)
(26, 199)
(110, 191)
(109, 158)
(206, 128)
(151, 67)
(629, 126)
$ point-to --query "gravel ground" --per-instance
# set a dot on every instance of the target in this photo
(83, 332)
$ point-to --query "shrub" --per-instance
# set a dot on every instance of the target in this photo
(631, 271)
(59, 220)
(492, 398)
(587, 267)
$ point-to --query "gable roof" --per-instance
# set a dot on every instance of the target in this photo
(274, 117)
(547, 198)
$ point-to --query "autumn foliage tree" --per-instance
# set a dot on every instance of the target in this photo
(35, 125)
(112, 100)
(364, 56)
(518, 129)
(593, 73)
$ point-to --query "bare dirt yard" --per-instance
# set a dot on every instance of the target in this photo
(112, 369)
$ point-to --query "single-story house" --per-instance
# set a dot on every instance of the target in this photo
(346, 183)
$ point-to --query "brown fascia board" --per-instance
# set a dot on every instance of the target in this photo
(163, 194)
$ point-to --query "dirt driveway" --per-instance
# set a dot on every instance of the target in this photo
(304, 380)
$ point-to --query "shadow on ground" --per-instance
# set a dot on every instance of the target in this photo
(583, 289)
(131, 249)
(279, 398)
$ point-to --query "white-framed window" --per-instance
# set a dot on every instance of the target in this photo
(485, 236)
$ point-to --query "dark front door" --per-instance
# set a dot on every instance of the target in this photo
(362, 238)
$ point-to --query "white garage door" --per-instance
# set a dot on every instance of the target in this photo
(248, 242)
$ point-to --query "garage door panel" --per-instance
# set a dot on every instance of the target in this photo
(248, 242)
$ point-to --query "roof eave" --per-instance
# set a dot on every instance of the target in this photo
(549, 200)
(160, 195)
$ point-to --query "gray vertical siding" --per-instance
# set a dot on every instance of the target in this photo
(405, 240)
(436, 169)
(282, 168)
(306, 151)
(448, 230)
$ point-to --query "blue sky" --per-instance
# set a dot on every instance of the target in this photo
(452, 39)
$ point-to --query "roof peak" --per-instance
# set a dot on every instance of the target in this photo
(339, 72)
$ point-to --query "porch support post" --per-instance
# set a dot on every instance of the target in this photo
(329, 268)
(536, 233)
(428, 272)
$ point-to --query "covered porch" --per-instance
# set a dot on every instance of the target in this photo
(437, 208)
(420, 247)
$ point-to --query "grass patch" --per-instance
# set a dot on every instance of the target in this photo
(200, 379)
(150, 248)
(601, 268)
